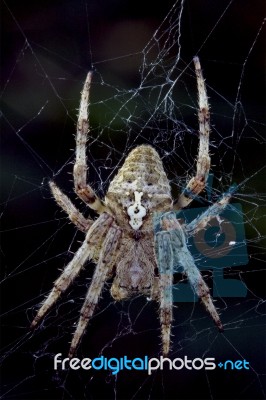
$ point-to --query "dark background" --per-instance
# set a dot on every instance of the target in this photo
(47, 49)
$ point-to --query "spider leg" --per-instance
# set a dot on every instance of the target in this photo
(203, 219)
(197, 183)
(74, 215)
(86, 251)
(83, 190)
(105, 263)
(63, 282)
(165, 263)
(182, 257)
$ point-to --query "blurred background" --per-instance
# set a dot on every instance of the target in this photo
(135, 50)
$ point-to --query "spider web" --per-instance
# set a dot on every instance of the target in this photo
(143, 91)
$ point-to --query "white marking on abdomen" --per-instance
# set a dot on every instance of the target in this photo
(136, 212)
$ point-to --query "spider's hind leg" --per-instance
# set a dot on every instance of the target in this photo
(105, 264)
(98, 230)
(184, 258)
(172, 250)
(164, 293)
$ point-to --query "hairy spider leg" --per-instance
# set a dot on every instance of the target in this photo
(198, 182)
(105, 264)
(82, 223)
(181, 256)
(203, 219)
(165, 263)
(86, 251)
(82, 189)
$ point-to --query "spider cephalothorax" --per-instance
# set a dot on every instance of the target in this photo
(136, 239)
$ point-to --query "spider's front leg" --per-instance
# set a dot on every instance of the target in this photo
(214, 211)
(83, 190)
(198, 182)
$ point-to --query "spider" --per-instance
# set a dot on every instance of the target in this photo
(136, 238)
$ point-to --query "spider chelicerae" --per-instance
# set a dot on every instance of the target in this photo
(136, 238)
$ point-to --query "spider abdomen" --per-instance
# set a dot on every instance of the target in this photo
(140, 186)
(135, 267)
